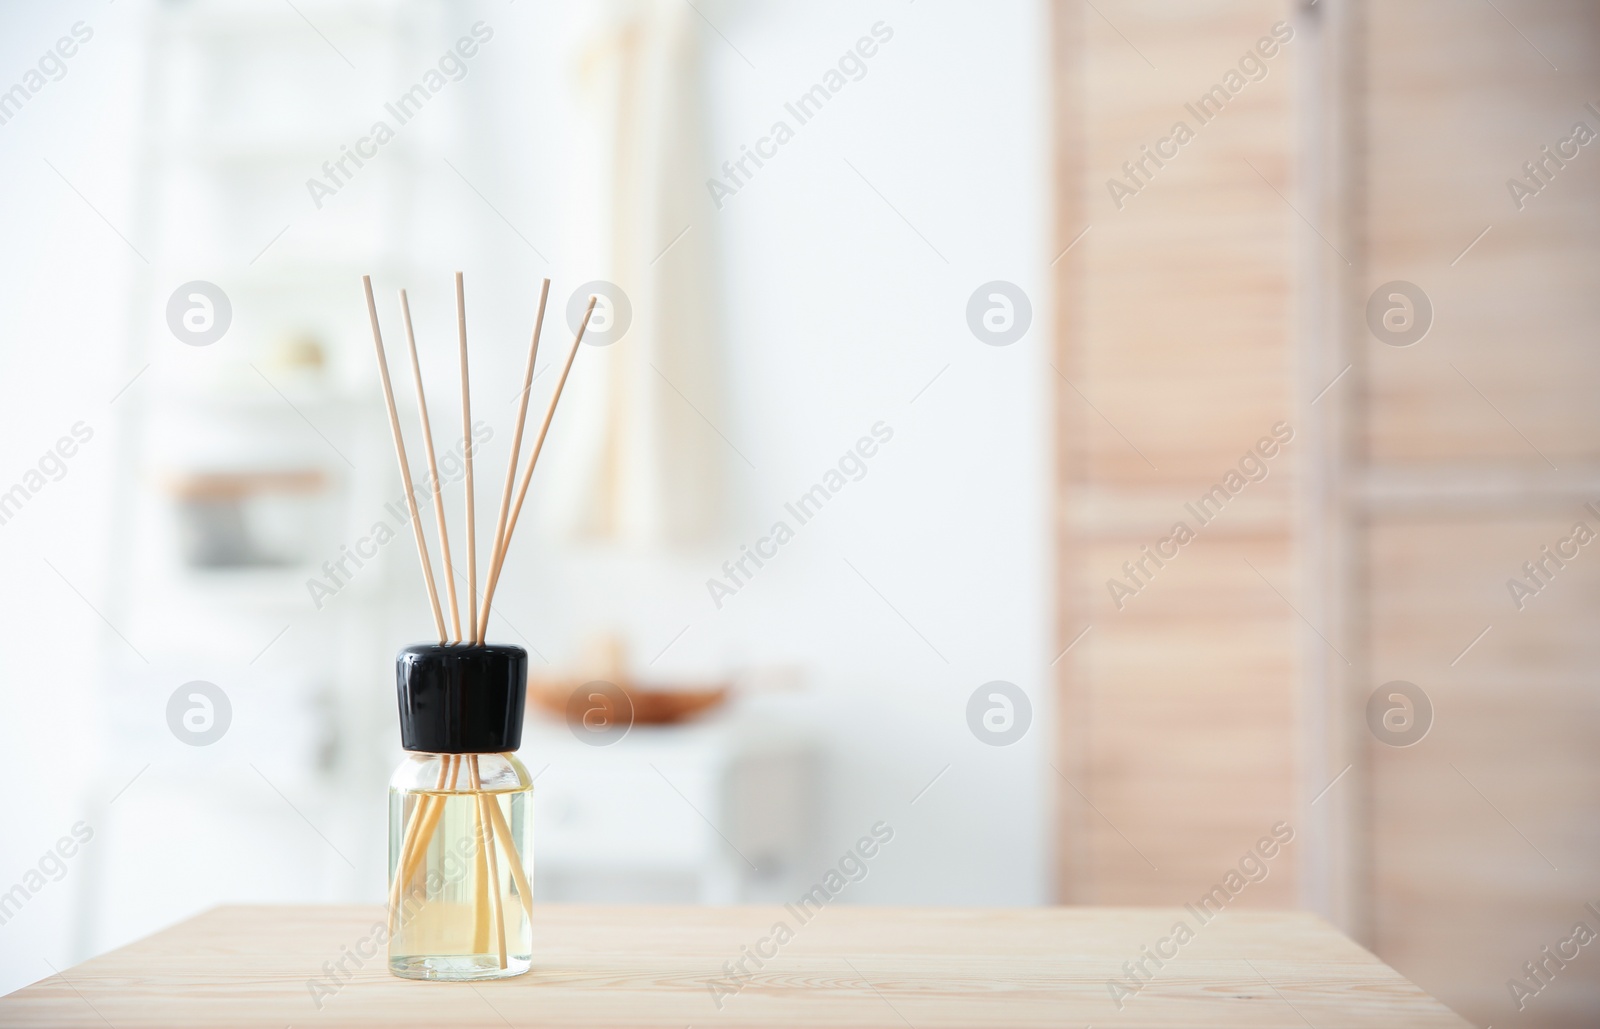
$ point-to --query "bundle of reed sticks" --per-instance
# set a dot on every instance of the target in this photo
(490, 821)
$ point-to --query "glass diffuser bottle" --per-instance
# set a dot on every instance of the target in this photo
(460, 816)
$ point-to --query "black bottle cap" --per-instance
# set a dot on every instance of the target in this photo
(460, 698)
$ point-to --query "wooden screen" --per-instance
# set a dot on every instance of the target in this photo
(1224, 290)
(1173, 366)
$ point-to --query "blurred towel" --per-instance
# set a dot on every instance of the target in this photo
(635, 459)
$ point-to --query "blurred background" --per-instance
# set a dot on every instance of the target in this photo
(1178, 416)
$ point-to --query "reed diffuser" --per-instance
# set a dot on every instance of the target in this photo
(460, 804)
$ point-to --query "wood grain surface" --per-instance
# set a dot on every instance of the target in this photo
(1175, 354)
(1483, 447)
(629, 966)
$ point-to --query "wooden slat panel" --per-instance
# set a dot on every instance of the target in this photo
(1175, 321)
(1178, 713)
(1483, 836)
(1193, 709)
(1464, 893)
(1448, 123)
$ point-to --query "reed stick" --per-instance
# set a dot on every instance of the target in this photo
(466, 432)
(516, 452)
(482, 913)
(514, 859)
(408, 844)
(533, 458)
(486, 838)
(433, 471)
(430, 822)
(400, 453)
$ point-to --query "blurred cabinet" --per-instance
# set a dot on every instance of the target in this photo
(718, 812)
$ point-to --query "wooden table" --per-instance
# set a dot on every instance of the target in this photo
(630, 966)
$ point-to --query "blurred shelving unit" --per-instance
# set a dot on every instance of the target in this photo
(250, 465)
(251, 469)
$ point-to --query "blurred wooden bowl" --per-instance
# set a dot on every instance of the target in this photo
(651, 706)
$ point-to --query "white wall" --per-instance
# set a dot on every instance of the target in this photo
(836, 315)
(63, 313)
(840, 314)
